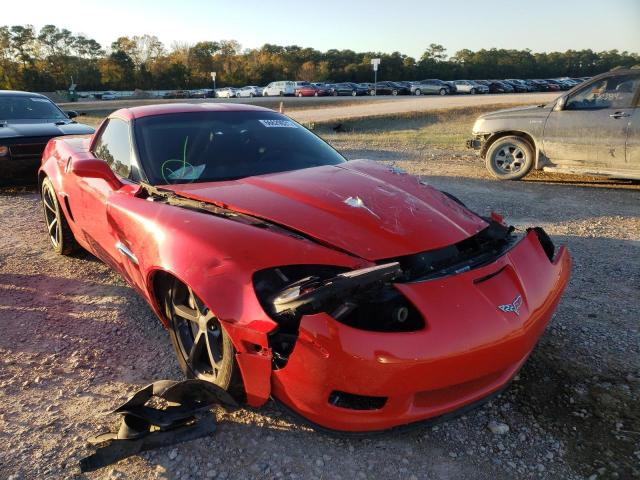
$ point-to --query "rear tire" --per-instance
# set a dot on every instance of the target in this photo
(472, 91)
(443, 92)
(394, 92)
(509, 158)
(354, 93)
(418, 92)
(60, 234)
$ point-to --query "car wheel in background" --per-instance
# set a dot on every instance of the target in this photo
(203, 348)
(509, 158)
(315, 94)
(353, 93)
(299, 94)
(60, 234)
(282, 94)
(472, 91)
(334, 93)
(394, 92)
(372, 92)
(418, 92)
(443, 91)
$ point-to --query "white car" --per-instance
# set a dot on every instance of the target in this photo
(279, 89)
(249, 91)
(109, 95)
(469, 86)
(226, 92)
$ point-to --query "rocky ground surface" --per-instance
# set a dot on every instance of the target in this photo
(75, 340)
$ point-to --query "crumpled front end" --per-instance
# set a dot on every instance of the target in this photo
(480, 325)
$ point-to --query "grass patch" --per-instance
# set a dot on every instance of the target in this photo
(419, 130)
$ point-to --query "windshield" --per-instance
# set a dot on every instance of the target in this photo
(28, 108)
(218, 146)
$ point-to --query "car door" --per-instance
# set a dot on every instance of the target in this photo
(112, 145)
(589, 128)
(631, 167)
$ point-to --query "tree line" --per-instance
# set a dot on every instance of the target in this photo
(48, 60)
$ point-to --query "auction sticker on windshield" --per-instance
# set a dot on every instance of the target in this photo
(278, 123)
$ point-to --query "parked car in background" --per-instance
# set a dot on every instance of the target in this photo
(279, 89)
(27, 122)
(310, 91)
(517, 86)
(592, 129)
(388, 88)
(496, 86)
(348, 88)
(203, 93)
(470, 86)
(110, 95)
(430, 86)
(550, 87)
(249, 91)
(561, 85)
(226, 92)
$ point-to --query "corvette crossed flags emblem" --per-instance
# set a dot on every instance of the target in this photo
(513, 306)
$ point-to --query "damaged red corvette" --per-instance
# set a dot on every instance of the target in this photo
(354, 294)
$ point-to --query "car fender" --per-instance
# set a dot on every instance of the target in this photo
(216, 257)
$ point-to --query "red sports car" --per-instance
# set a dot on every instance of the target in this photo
(351, 292)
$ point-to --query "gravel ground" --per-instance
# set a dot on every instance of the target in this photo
(75, 341)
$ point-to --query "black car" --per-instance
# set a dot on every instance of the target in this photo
(348, 88)
(496, 86)
(517, 86)
(27, 122)
(389, 88)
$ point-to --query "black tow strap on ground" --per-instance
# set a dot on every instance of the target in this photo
(185, 417)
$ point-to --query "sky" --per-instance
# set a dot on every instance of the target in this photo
(374, 25)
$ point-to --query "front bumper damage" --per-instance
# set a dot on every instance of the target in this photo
(481, 325)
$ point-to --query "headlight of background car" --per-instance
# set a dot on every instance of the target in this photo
(363, 298)
(4, 151)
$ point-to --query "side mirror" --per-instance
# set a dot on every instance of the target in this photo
(71, 113)
(561, 103)
(94, 168)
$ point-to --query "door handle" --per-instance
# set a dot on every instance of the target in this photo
(620, 115)
(122, 248)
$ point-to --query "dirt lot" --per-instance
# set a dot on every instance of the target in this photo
(75, 340)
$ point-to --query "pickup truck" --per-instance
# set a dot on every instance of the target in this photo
(593, 129)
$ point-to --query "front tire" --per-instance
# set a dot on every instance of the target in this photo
(418, 92)
(443, 92)
(60, 234)
(472, 91)
(202, 346)
(509, 158)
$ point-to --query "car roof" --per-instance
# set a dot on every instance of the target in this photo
(168, 108)
(18, 93)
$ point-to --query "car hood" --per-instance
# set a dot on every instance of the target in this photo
(518, 112)
(42, 128)
(367, 209)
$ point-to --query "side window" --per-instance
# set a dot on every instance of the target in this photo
(113, 146)
(610, 92)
